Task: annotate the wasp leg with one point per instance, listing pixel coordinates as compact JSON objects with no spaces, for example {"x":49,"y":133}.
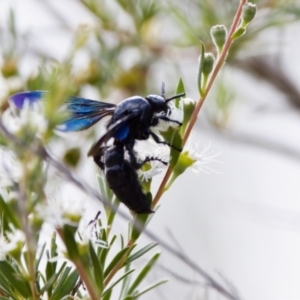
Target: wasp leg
{"x":158,"y":141}
{"x":99,"y":155}
{"x":138,"y":165}
{"x":165,"y":118}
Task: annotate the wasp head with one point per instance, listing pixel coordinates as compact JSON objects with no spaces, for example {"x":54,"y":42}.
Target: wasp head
{"x":158,"y":103}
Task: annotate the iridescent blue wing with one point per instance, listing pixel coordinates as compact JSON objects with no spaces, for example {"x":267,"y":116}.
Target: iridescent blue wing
{"x":20,"y":98}
{"x":83,"y":112}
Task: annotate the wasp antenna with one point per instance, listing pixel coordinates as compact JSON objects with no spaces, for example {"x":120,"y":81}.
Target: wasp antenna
{"x":163,"y":89}
{"x":175,"y":97}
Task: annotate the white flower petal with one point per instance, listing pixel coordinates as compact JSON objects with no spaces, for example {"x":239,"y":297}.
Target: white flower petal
{"x":90,"y":233}
{"x":160,"y":154}
{"x":10,"y":169}
{"x":10,"y":241}
{"x":59,"y":213}
{"x":30,"y":115}
{"x":202,"y":158}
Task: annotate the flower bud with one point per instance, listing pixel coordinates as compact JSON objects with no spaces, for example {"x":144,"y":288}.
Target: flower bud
{"x":248,"y":14}
{"x":208,"y":63}
{"x":188,"y":108}
{"x":9,"y":68}
{"x":184,"y":161}
{"x":72,"y":157}
{"x":218,"y":34}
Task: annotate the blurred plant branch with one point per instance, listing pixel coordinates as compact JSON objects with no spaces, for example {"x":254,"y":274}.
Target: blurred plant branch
{"x":268,"y":69}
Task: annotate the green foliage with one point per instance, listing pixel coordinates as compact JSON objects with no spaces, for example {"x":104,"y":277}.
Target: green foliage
{"x":13,"y":282}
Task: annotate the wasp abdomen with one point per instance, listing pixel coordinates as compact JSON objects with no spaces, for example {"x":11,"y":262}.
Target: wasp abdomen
{"x":123,"y":180}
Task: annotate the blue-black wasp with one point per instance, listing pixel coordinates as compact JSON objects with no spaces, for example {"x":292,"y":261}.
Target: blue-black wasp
{"x":130,"y":120}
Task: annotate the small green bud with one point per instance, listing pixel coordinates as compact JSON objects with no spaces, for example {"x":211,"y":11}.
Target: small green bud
{"x":9,"y":68}
{"x":205,"y":67}
{"x":248,"y":14}
{"x":188,"y":108}
{"x":73,"y":217}
{"x":83,"y":247}
{"x":17,"y":241}
{"x":36,"y":220}
{"x":218,"y":34}
{"x":208,"y":63}
{"x":184,"y":161}
{"x":72,"y":157}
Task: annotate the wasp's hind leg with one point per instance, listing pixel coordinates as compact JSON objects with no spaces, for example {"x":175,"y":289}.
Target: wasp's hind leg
{"x":151,"y":158}
{"x":136,"y":164}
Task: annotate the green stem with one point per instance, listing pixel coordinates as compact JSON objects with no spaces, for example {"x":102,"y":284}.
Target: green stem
{"x":84,"y":276}
{"x":119,"y":265}
{"x":86,"y":279}
{"x":28,"y":233}
{"x":219,"y":63}
{"x":162,"y":186}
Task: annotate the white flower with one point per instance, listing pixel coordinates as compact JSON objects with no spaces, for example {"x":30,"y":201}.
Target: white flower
{"x":31,"y":115}
{"x":10,"y":169}
{"x":160,"y":156}
{"x":202,"y":158}
{"x":10,"y":241}
{"x":59,"y":213}
{"x":91,"y":233}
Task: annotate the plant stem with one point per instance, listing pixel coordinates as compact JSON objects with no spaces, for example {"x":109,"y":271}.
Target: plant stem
{"x":84,"y":276}
{"x":28,"y":232}
{"x":86,"y":279}
{"x":119,"y":265}
{"x":218,"y":65}
{"x":162,"y":187}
